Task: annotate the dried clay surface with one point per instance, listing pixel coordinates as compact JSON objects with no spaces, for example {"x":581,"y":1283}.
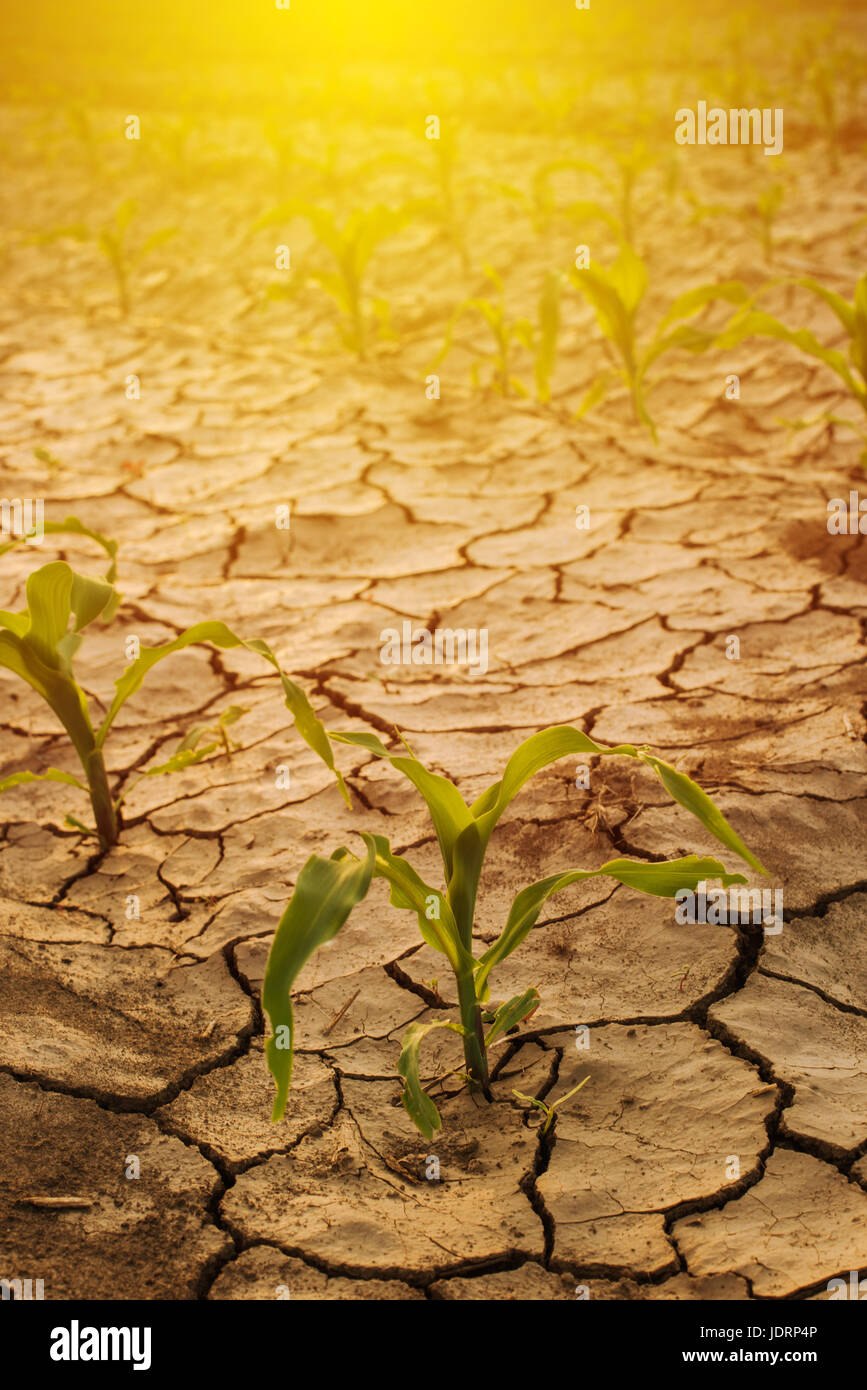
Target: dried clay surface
{"x":718,"y":1148}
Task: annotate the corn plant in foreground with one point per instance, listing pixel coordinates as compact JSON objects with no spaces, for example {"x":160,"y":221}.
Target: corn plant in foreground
{"x":327,"y":890}
{"x":39,"y":645}
{"x":615,"y":296}
{"x":750,"y":322}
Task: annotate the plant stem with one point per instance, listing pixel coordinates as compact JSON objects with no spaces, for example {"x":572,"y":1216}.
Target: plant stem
{"x":475,"y":1055}
{"x":100,"y":800}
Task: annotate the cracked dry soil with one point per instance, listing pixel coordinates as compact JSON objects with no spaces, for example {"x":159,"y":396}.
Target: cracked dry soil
{"x":141,"y":1037}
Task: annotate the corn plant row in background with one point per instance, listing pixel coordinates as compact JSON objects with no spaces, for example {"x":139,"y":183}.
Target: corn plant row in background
{"x":40,"y":643}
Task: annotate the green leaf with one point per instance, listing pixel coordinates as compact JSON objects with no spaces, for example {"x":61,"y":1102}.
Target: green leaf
{"x":409,"y":891}
{"x":125,"y":214}
{"x":158,"y":238}
{"x":309,"y":727}
{"x":841,"y":307}
{"x":690,"y":795}
{"x":531,"y":1100}
{"x":512,"y":1012}
{"x":688,"y":304}
{"x":56,"y":687}
{"x":753,"y":323}
{"x":586,"y":209}
{"x":549,"y":329}
{"x":597,"y":392}
{"x":530,"y":757}
{"x":661,"y":880}
{"x":449,"y":811}
{"x":52,"y":775}
{"x":628,"y":277}
{"x":72,"y":526}
{"x":416,"y":1103}
{"x":326,"y":892}
{"x":611,"y":313}
{"x":49,"y":603}
{"x":183,"y":757}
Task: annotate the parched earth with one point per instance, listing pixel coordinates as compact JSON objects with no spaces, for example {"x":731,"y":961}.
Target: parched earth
{"x":719,"y":1148}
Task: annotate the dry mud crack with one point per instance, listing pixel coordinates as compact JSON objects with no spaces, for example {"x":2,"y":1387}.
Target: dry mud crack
{"x":719,"y":1149}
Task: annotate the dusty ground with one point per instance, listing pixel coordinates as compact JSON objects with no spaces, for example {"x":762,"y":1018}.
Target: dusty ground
{"x":126,"y":1036}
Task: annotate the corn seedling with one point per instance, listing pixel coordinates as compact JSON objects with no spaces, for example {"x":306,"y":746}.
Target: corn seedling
{"x":615,"y":296}
{"x":327,"y":890}
{"x":114,"y":244}
{"x":39,"y":645}
{"x":539,"y":339}
{"x":621,"y":214}
{"x":537,"y":204}
{"x":445,"y":204}
{"x":761,"y":214}
{"x":550,"y":1111}
{"x":750,"y":322}
{"x":351,"y":247}
{"x":821,"y":81}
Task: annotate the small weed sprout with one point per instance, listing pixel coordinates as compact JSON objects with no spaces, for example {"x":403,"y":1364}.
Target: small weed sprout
{"x":549,"y":1111}
{"x":39,"y":645}
{"x":539,"y":339}
{"x":615,"y":296}
{"x":327,"y":890}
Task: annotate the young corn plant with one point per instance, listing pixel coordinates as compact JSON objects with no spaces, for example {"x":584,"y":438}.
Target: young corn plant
{"x":39,"y":645}
{"x":539,"y":339}
{"x":351,"y":246}
{"x":760,"y":214}
{"x":114,"y":243}
{"x":327,"y":890}
{"x":615,"y":296}
{"x":621,"y":214}
{"x":851,"y":369}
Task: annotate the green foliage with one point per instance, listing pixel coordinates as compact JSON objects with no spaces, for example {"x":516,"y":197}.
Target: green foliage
{"x":113,"y":241}
{"x":40,"y":643}
{"x":549,"y":1111}
{"x":760,"y":214}
{"x":615,"y":296}
{"x":114,"y":244}
{"x":327,"y":890}
{"x":620,"y":213}
{"x":351,"y":246}
{"x":539,"y":339}
{"x":851,"y":367}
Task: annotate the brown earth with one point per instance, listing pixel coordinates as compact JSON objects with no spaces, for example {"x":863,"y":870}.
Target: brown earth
{"x":141,"y":1035}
